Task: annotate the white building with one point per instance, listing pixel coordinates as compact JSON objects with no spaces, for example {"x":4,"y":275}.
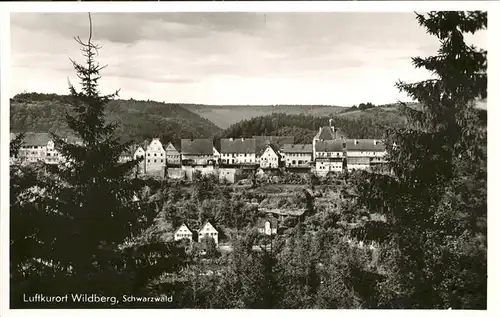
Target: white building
{"x":270,"y":158}
{"x":172,"y":154}
{"x":364,"y":153}
{"x":237,"y":151}
{"x":326,"y":133}
{"x":39,"y":147}
{"x":156,"y":158}
{"x":207,"y":230}
{"x":216,"y":155}
{"x":183,"y":232}
{"x":140,"y":153}
{"x":297,"y":155}
{"x":197,"y":152}
{"x":329,"y":156}
{"x":268,"y":226}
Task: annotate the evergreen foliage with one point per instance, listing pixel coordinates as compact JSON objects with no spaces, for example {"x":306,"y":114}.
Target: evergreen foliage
{"x":434,"y":202}
{"x":86,"y":217}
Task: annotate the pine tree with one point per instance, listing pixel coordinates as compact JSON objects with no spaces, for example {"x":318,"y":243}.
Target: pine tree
{"x":16,"y":144}
{"x":96,"y":218}
{"x":434,"y":202}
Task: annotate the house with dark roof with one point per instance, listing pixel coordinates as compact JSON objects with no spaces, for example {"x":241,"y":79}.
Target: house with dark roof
{"x":237,"y":151}
{"x":262,"y":141}
{"x":329,"y":156}
{"x":326,"y":133}
{"x":39,"y":147}
{"x":173,"y":155}
{"x":271,"y":158}
{"x":197,"y":152}
{"x":363,"y":153}
{"x":297,"y":155}
{"x":34,"y":148}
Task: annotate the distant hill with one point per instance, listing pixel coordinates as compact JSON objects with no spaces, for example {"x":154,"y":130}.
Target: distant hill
{"x":137,"y":119}
{"x":225,"y":116}
{"x":145,"y":119}
{"x":303,"y":127}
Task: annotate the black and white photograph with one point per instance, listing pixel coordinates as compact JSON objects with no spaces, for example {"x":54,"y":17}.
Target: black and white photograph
{"x":248,"y":160}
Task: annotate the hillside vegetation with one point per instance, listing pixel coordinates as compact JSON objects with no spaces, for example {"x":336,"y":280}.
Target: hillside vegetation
{"x":225,"y":116}
{"x":304,"y":127}
{"x":136,"y":119}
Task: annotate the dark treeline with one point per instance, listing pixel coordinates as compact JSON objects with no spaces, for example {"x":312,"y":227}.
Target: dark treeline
{"x":304,"y":127}
{"x":136,"y":120}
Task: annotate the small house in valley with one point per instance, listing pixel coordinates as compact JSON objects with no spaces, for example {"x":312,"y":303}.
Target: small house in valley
{"x":208,"y":230}
{"x":268,"y":226}
{"x":183,"y":232}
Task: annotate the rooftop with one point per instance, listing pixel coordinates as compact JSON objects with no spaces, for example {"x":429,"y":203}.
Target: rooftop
{"x":237,"y":145}
{"x":197,"y":146}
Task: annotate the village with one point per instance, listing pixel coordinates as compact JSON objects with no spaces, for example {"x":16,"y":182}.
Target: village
{"x":329,"y":151}
{"x":237,"y":160}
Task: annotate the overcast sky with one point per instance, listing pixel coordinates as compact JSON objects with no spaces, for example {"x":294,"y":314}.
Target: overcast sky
{"x":228,"y":58}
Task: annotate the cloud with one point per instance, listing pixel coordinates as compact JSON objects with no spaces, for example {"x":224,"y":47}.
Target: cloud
{"x":236,"y":58}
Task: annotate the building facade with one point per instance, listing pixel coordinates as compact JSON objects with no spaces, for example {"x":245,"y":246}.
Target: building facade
{"x":173,"y":156}
{"x":139,"y":153}
{"x":197,"y":152}
{"x":207,"y":230}
{"x":155,"y":158}
{"x":271,"y":158}
{"x":237,"y":151}
{"x":364,"y":153}
{"x":183,"y":232}
{"x":268,"y":226}
{"x":297,"y":155}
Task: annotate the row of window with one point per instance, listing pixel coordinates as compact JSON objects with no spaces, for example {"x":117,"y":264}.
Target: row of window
{"x":235,"y":154}
{"x":298,"y":154}
{"x":212,"y":234}
{"x":298,"y":162}
{"x":327,"y":154}
{"x":330,"y":167}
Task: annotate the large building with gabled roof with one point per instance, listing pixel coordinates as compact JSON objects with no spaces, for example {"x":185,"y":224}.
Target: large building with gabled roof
{"x":197,"y":151}
{"x":297,"y":155}
{"x":237,"y":151}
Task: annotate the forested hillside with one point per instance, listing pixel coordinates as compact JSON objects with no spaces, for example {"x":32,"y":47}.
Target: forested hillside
{"x":225,"y":116}
{"x":304,"y":127}
{"x":137,"y":119}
